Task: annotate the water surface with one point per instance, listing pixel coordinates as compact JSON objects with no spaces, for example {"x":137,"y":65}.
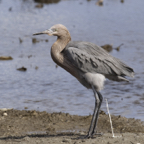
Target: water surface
{"x":52,"y":89}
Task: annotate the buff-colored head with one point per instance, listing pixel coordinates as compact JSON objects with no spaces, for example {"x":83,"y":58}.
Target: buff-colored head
{"x":56,"y":30}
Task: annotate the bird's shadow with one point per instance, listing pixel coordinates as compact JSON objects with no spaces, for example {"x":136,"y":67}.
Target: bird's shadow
{"x":38,"y":135}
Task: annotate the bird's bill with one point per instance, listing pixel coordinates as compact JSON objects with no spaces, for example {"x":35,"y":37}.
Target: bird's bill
{"x":49,"y":32}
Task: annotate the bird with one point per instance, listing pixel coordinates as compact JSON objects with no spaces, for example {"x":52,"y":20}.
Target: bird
{"x":88,"y":63}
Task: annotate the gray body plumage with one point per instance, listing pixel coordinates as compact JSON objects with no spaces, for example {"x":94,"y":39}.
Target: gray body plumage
{"x":89,"y":58}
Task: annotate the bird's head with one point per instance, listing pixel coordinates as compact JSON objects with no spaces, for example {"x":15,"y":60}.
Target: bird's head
{"x":56,"y":30}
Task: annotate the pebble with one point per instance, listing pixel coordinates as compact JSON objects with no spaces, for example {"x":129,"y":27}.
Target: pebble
{"x":82,"y":133}
{"x":65,"y":140}
{"x":4,"y":114}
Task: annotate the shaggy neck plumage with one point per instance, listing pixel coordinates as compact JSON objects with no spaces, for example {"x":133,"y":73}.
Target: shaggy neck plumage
{"x":57,"y":48}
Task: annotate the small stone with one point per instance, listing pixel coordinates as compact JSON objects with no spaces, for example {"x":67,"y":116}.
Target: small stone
{"x":34,"y":113}
{"x":26,"y":138}
{"x":83,"y":140}
{"x":66,"y":141}
{"x":82,"y":133}
{"x":4,"y":114}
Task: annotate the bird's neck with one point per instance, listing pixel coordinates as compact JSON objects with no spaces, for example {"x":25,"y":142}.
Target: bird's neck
{"x":58,"y":47}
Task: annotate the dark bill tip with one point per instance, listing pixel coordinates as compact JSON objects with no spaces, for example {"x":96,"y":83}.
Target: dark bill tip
{"x":38,"y":33}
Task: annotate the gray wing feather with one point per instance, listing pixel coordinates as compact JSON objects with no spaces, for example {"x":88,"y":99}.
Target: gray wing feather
{"x":88,"y":57}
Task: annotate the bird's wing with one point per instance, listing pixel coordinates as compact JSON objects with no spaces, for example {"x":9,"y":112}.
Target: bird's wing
{"x":88,"y":57}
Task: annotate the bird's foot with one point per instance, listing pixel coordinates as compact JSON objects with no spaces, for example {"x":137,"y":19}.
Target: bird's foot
{"x":98,"y":134}
{"x":92,"y":135}
{"x":84,"y":137}
{"x":88,"y":136}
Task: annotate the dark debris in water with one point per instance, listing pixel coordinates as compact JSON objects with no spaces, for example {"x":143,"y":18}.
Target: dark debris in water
{"x":10,"y":9}
{"x":36,"y":67}
{"x":29,"y":56}
{"x":20,"y":40}
{"x":6,"y":58}
{"x":122,"y":1}
{"x":35,"y":40}
{"x":56,"y":66}
{"x":99,"y":3}
{"x":47,"y":1}
{"x":39,"y":5}
{"x":109,"y":47}
{"x":22,"y":69}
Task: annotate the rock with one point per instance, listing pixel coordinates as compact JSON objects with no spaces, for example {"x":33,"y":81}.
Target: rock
{"x":34,"y":113}
{"x":102,"y":112}
{"x":4,"y":114}
{"x":6,"y":58}
{"x":83,"y":140}
{"x":22,"y":69}
{"x":66,"y":140}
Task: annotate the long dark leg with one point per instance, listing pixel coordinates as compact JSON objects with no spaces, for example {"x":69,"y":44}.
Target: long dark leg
{"x":98,"y":101}
{"x":95,"y":124}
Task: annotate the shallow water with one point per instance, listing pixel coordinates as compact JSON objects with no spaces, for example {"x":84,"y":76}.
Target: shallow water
{"x":52,"y":89}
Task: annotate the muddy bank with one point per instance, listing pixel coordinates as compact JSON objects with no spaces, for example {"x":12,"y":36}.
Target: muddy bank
{"x":34,"y":126}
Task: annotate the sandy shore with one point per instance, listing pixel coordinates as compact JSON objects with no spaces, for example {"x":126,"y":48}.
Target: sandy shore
{"x":41,"y":127}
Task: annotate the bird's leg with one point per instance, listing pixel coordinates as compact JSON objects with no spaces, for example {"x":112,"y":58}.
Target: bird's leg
{"x":95,"y":124}
{"x":98,"y":102}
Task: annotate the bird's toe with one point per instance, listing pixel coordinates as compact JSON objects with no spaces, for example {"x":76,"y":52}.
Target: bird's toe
{"x":97,"y":134}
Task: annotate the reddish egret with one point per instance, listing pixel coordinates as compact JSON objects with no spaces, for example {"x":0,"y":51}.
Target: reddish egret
{"x":87,"y":62}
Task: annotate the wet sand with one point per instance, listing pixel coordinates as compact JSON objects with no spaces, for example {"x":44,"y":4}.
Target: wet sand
{"x":41,"y":127}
